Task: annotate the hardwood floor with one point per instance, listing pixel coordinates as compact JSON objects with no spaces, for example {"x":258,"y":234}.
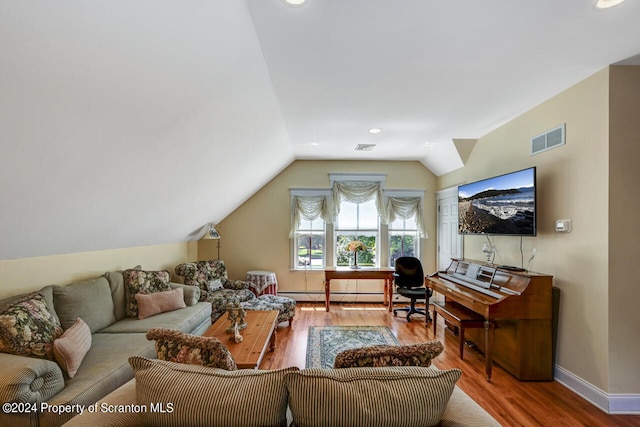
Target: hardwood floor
{"x":511,"y":402}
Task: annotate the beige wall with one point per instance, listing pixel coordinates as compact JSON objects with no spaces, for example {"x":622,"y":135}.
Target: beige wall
{"x":575,"y":182}
{"x":624,"y":229}
{"x":30,"y":274}
{"x":256,"y":235}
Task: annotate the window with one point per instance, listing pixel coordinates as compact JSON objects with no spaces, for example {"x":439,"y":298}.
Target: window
{"x":309,"y":214}
{"x":390,"y":223}
{"x":357,"y":221}
{"x":403,"y":239}
{"x":310,"y":244}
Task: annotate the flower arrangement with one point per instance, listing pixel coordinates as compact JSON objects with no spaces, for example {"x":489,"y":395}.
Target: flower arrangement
{"x":356,"y":245}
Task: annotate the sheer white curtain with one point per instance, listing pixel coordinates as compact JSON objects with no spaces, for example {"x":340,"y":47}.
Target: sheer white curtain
{"x":309,"y":208}
{"x":405,"y":208}
{"x":357,"y":192}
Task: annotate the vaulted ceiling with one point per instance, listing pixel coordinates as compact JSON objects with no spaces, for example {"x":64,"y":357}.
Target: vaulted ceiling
{"x":137,"y":123}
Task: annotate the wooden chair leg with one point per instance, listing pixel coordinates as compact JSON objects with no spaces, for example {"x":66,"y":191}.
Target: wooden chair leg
{"x":461,"y":344}
{"x":435,"y":317}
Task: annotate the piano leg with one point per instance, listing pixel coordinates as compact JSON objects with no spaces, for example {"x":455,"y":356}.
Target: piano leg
{"x":488,"y":346}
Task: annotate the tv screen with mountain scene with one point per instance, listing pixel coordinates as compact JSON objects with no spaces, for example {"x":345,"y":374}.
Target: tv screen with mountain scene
{"x":502,"y":205}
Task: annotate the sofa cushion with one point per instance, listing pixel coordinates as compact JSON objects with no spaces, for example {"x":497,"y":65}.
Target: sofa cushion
{"x":389,"y":355}
{"x":242,"y":398}
{"x":191,"y":293}
{"x":145,"y":282}
{"x":26,"y":379}
{"x":104,"y":369}
{"x":47,"y":293}
{"x":71,"y":347}
{"x":27,"y":328}
{"x":90,"y":300}
{"x":176,"y":346}
{"x":353,"y":396}
{"x":186,"y":319}
{"x":159,"y":302}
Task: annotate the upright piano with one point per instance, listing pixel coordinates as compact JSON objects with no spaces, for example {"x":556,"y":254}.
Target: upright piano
{"x":517,"y":307}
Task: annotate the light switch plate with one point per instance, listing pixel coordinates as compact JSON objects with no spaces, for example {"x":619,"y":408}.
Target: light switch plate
{"x":563,"y":225}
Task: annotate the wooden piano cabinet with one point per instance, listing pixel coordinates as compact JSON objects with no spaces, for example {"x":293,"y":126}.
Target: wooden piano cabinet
{"x":518,"y":308}
{"x":521,"y":347}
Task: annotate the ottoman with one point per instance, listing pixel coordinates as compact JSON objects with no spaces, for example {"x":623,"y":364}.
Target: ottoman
{"x":286,"y":306}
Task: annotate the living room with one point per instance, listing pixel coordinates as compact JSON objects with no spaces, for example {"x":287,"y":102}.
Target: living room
{"x":73,"y":127}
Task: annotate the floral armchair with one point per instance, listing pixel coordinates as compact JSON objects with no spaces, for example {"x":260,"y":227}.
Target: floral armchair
{"x":419,"y":354}
{"x":215,"y":286}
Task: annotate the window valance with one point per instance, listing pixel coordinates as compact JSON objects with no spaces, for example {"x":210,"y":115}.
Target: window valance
{"x":356,"y":192}
{"x":309,"y":208}
{"x":405,"y":208}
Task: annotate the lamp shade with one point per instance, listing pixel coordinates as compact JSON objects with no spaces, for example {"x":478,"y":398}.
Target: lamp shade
{"x":211,"y":233}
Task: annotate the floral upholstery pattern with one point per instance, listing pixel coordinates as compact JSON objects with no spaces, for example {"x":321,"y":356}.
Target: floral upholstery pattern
{"x":176,"y":346}
{"x":203,"y":273}
{"x":143,"y":282}
{"x":27,"y":328}
{"x":286,"y":306}
{"x":389,"y":355}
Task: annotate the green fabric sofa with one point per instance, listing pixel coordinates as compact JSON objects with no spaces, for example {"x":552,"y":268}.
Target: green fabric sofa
{"x":32,"y":383}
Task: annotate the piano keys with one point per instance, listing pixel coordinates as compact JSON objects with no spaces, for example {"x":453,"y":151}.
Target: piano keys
{"x":518,"y":310}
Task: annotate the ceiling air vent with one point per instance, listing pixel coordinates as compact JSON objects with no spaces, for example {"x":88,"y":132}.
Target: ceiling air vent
{"x":365,"y":147}
{"x":548,"y":140}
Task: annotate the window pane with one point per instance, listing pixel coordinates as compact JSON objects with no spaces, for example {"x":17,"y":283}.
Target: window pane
{"x":368,"y":216}
{"x":365,"y":258}
{"x":310,"y":250}
{"x":404,"y":224}
{"x":316,"y":225}
{"x":348,"y":217}
{"x":402,"y":244}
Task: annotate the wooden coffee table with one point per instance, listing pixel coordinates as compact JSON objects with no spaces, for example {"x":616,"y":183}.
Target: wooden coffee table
{"x":260,"y":331}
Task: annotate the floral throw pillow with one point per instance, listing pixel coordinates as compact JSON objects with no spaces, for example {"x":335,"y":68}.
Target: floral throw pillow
{"x":215,"y":285}
{"x":143,"y":282}
{"x":27,"y":328}
{"x":178,"y":347}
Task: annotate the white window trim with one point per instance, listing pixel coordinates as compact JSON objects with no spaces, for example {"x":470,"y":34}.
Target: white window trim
{"x":328,"y":228}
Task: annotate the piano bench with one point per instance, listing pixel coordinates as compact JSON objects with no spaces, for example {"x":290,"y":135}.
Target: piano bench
{"x":459,"y":316}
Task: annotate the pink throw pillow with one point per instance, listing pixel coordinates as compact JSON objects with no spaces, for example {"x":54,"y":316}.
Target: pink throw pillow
{"x":159,"y":302}
{"x":71,"y":347}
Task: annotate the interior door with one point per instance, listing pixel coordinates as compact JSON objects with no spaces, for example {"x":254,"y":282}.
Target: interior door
{"x":450,"y":244}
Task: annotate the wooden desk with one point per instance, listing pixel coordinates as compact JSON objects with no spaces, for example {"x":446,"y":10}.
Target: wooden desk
{"x":260,"y":331}
{"x":346,"y":273}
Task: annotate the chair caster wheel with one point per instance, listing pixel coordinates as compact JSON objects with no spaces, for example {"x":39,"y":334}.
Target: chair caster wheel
{"x":408,"y":318}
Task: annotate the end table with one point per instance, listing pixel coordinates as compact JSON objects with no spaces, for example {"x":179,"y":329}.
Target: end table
{"x":262,"y":282}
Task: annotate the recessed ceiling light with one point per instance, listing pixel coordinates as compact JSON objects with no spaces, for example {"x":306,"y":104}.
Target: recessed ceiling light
{"x":294,"y":2}
{"x":605,"y":4}
{"x":375,"y":130}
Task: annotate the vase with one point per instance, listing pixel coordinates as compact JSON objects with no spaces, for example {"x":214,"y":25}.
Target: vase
{"x":355,"y":260}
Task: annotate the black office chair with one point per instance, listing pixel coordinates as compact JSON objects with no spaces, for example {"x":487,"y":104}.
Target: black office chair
{"x":409,"y":279}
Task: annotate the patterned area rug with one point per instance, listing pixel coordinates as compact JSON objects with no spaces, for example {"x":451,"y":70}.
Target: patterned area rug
{"x":325,"y":342}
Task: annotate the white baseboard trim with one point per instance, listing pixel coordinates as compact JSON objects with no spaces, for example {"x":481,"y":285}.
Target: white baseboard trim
{"x":611,"y":403}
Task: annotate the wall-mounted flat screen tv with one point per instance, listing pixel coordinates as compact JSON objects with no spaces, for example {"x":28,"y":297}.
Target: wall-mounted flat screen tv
{"x":502,"y":205}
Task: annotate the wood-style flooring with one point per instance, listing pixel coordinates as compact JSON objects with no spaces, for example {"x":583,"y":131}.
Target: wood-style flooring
{"x":511,"y":402}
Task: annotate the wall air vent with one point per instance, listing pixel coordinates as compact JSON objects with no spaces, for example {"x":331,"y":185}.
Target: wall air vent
{"x":365,"y":147}
{"x":548,"y":140}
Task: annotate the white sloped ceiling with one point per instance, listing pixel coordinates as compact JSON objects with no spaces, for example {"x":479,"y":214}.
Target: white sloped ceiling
{"x":129,"y":123}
